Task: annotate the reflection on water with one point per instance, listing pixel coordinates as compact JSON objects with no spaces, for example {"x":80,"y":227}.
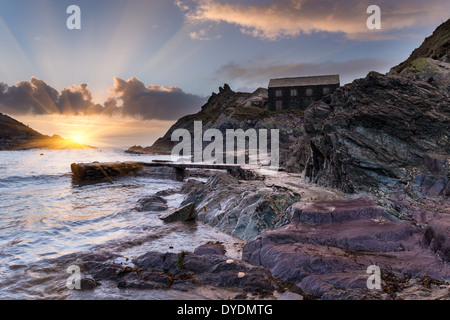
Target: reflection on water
{"x":44,"y":217}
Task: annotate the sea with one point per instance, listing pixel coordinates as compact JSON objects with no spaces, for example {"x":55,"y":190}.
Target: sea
{"x":46,"y":217}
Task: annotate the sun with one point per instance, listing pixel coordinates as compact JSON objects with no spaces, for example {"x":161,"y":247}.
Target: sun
{"x":78,"y":139}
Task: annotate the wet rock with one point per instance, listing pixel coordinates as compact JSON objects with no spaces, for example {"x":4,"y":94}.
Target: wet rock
{"x":165,"y":193}
{"x":186,"y":271}
{"x":166,"y":262}
{"x":240,"y":208}
{"x":210,"y":248}
{"x":153,"y":203}
{"x":88,"y":284}
{"x":184,"y":213}
{"x":102,"y":171}
{"x":196,"y":191}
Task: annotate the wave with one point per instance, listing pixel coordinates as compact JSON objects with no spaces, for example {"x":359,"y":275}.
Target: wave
{"x":6,"y":181}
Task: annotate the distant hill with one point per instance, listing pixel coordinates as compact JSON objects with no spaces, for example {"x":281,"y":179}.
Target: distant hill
{"x":15,"y":135}
{"x":11,"y":128}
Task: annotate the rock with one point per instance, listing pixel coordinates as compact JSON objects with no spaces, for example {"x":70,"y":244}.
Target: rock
{"x":165,"y":193}
{"x":195,"y":190}
{"x":241,"y":174}
{"x":153,"y":203}
{"x":240,"y":208}
{"x":184,"y":213}
{"x":380,"y":137}
{"x":294,"y":157}
{"x":88,"y":284}
{"x":437,"y":237}
{"x":243,"y":208}
{"x":210,"y":248}
{"x":185,"y":271}
{"x":101,"y":171}
{"x":380,"y":132}
{"x":333,"y":212}
{"x":328,"y":246}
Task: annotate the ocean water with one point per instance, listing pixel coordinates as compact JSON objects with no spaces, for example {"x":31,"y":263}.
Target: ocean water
{"x":45,"y":217}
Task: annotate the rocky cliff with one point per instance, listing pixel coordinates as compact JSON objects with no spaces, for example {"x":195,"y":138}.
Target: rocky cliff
{"x":377,"y":131}
{"x":381,"y":132}
{"x":238,"y":110}
{"x":436,"y":47}
{"x":15,"y":135}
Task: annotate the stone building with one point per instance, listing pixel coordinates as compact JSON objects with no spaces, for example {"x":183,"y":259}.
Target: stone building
{"x":299,"y":93}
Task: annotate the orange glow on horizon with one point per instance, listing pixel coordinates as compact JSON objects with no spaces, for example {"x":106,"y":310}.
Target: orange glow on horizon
{"x":97,"y":130}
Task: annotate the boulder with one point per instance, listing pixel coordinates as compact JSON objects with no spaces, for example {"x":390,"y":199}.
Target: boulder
{"x":153,"y":203}
{"x":210,"y":248}
{"x":184,"y":213}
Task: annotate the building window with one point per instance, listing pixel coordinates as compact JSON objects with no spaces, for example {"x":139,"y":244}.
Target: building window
{"x":279,"y":93}
{"x":279,"y":105}
{"x":294,"y":92}
{"x":309,"y":92}
{"x":326,"y":90}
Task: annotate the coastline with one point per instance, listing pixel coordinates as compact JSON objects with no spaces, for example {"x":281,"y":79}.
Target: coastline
{"x":317,"y":243}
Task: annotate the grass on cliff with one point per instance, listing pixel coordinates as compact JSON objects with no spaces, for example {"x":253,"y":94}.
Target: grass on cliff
{"x":435,"y":47}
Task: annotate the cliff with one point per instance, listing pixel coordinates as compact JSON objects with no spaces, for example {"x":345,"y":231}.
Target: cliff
{"x":14,"y":135}
{"x":238,"y":110}
{"x":10,"y":127}
{"x":377,"y":131}
{"x":383,"y":131}
{"x":436,"y":47}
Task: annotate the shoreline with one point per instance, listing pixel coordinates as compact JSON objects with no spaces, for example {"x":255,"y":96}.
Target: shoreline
{"x":372,"y":235}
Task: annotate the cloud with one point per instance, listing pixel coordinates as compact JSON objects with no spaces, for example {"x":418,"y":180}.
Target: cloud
{"x":131,"y":98}
{"x":260,"y":71}
{"x":37,"y":97}
{"x":154,"y":102}
{"x":276,"y":19}
{"x":202,"y":35}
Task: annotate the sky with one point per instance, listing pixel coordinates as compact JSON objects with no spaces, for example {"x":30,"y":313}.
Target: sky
{"x":137,"y":66}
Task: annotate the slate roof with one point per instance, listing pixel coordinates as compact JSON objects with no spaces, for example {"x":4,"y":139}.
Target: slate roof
{"x":304,"y":81}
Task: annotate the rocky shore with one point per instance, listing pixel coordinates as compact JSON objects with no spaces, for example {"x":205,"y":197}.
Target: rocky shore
{"x":366,"y":187}
{"x":303,"y":241}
